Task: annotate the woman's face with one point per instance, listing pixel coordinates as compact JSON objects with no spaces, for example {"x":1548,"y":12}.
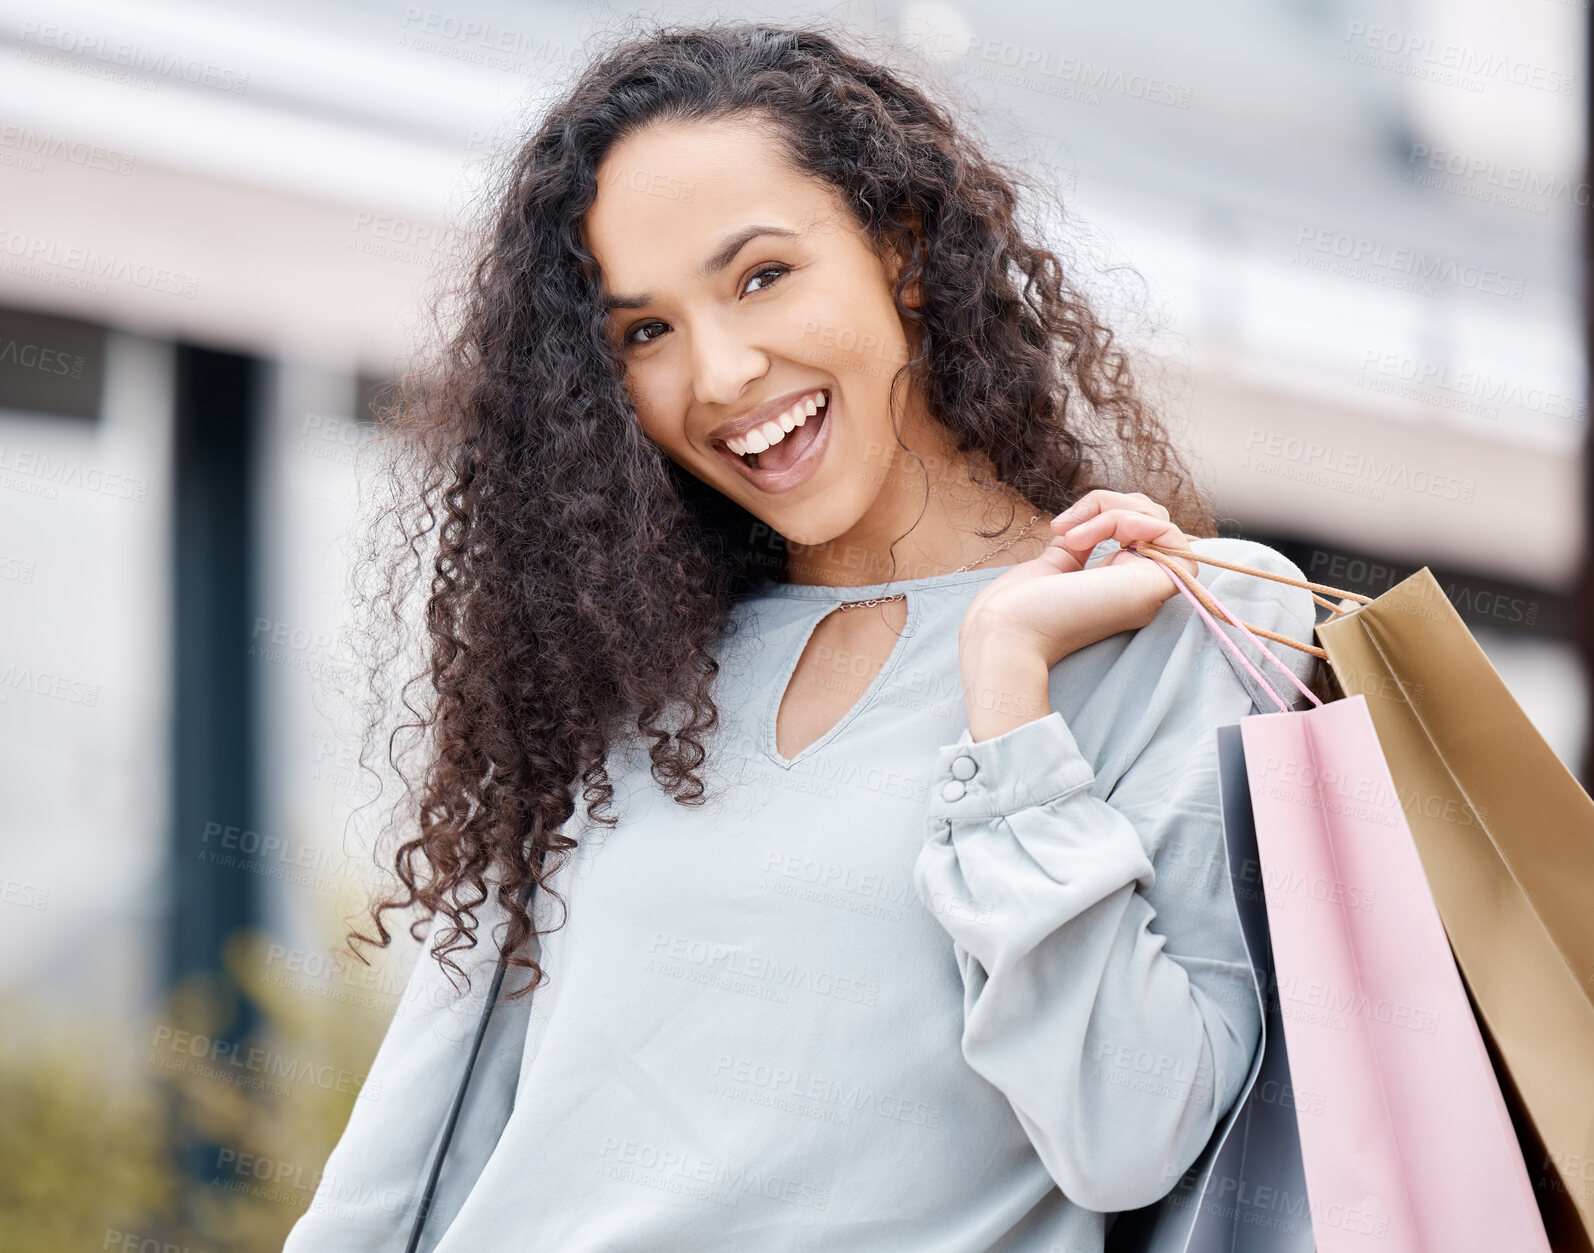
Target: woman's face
{"x":742,"y":293}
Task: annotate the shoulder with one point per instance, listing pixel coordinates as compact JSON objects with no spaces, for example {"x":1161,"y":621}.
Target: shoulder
{"x":1259,"y":602}
{"x":1178,"y":649}
{"x":1291,"y":608}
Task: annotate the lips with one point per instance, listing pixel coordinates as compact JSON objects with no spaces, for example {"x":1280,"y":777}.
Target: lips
{"x":790,"y":462}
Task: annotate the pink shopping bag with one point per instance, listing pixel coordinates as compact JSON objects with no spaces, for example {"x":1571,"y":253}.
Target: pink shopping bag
{"x":1413,"y":1148}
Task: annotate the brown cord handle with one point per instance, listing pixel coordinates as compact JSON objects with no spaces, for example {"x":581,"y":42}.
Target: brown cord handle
{"x":1189,"y":580}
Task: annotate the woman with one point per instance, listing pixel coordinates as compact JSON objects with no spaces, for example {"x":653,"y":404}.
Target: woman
{"x":781,"y":485}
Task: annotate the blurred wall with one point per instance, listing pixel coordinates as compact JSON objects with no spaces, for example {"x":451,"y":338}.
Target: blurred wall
{"x":1352,"y":239}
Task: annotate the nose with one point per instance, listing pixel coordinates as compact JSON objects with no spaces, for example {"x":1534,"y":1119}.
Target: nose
{"x":723,"y":364}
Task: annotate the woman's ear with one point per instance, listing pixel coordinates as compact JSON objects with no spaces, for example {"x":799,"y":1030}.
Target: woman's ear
{"x":901,"y":254}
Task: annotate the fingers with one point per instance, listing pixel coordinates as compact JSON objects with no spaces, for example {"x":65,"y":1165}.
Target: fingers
{"x":1094,"y":502}
{"x":1102,"y":514}
{"x":1121,"y":525}
{"x":1125,"y":526}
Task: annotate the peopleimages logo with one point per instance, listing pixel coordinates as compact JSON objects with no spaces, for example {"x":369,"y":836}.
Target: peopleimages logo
{"x":1088,"y":76}
{"x":1454,"y":64}
{"x":37,"y":41}
{"x":1254,"y":1204}
{"x":45,"y":360}
{"x":733,"y":1182}
{"x":1310,"y":460}
{"x":1426,"y":377}
{"x":744,"y":1079}
{"x":1523,"y":186}
{"x":35,"y":256}
{"x":251,"y":1066}
{"x":1297,"y":883}
{"x":737,"y":968}
{"x":34,"y":147}
{"x":51,"y":474}
{"x":1420,"y":267}
{"x":1355,"y":1003}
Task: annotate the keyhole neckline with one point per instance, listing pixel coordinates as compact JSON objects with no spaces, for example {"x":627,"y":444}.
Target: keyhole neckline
{"x":868,"y":591}
{"x":910,"y":627}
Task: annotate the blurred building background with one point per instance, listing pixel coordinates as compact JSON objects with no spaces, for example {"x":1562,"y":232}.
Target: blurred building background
{"x":1357,"y":230}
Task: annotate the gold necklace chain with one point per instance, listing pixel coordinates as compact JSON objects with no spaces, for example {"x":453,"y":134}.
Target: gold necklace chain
{"x":880,"y":600}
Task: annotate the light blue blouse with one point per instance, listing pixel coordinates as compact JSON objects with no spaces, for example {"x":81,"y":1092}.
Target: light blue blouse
{"x":902,"y":991}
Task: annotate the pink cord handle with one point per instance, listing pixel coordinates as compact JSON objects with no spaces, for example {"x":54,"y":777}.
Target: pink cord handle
{"x":1232,"y":646}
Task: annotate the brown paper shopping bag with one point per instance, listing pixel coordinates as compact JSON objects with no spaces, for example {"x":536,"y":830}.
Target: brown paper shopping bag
{"x":1506,"y":836}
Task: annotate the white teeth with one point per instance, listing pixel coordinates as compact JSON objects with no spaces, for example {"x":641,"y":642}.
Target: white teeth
{"x":759,"y":439}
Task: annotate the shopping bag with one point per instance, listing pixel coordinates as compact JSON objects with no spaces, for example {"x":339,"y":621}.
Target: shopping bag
{"x":1261,"y":1188}
{"x":1414,"y":1148}
{"x":1246,"y":1193}
{"x":1506,"y":836}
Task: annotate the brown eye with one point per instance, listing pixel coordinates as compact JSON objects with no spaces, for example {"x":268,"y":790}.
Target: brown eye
{"x":776,"y":270}
{"x":628,"y":335}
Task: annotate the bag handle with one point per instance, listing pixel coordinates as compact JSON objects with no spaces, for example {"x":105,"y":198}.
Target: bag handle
{"x":436,"y":1168}
{"x":1145,"y":548}
{"x":1185,"y":582}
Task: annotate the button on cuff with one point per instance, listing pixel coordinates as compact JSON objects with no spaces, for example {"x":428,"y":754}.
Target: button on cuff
{"x":1032,"y":764}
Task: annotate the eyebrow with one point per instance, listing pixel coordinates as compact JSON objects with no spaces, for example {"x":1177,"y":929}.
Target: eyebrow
{"x":708,"y":268}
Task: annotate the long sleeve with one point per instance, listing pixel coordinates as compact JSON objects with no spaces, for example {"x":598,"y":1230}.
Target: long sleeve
{"x":366,"y":1197}
{"x":1107,"y":992}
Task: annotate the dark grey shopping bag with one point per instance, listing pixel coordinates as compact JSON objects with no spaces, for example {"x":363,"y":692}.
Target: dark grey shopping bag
{"x":1246,"y":1193}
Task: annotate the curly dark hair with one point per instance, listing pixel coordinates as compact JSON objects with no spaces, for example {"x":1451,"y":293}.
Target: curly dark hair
{"x":558,"y":535}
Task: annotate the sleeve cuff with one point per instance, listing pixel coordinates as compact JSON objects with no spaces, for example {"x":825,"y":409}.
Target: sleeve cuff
{"x":1027,"y":766}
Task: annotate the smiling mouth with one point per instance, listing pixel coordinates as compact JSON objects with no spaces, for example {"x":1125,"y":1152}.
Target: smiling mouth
{"x":782,"y":454}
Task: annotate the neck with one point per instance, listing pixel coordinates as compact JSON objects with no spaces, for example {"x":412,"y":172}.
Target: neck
{"x":933,"y":534}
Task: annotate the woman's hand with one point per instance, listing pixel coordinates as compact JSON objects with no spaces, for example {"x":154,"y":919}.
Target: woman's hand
{"x":1032,"y":616}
